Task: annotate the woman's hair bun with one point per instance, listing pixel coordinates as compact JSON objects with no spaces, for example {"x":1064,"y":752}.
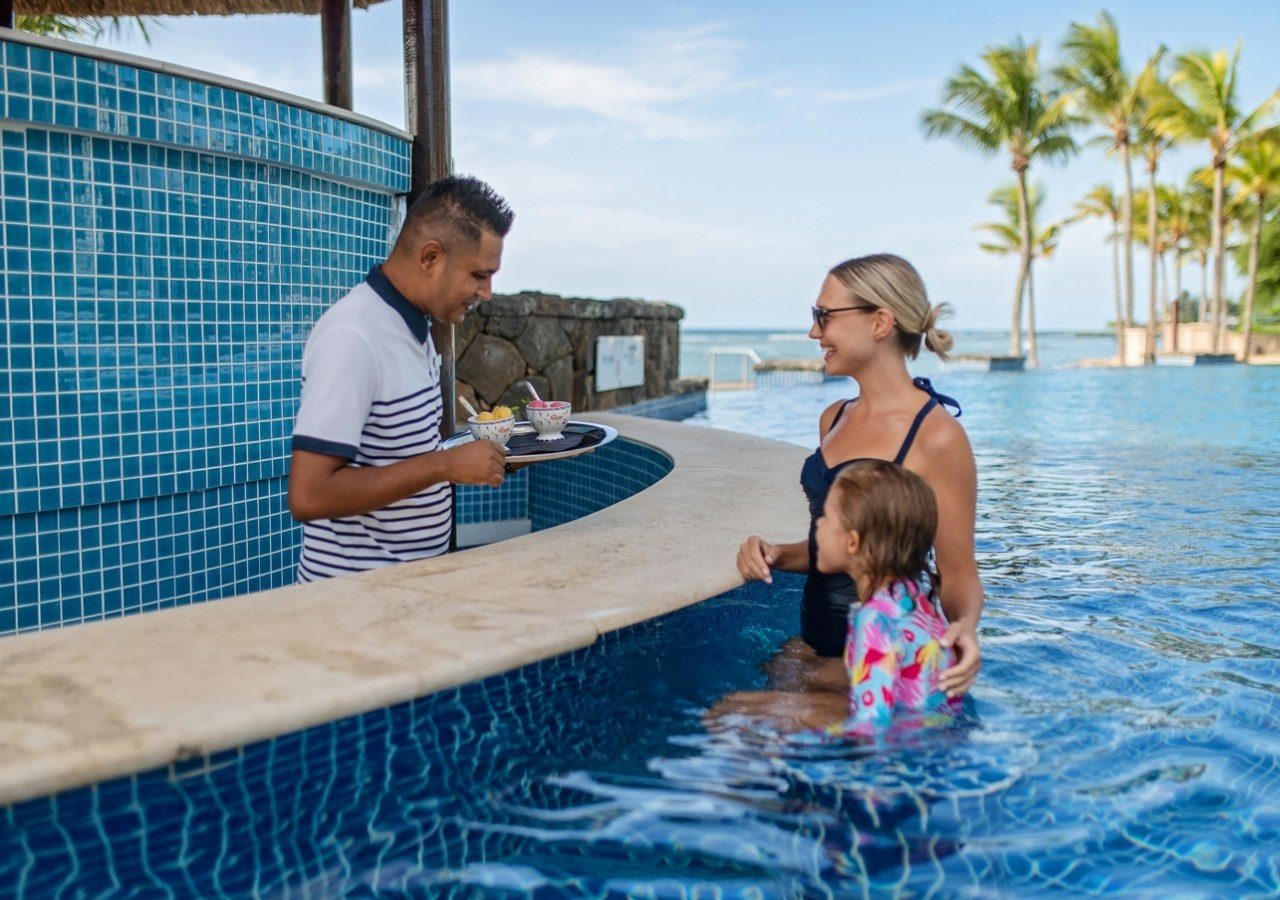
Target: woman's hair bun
{"x":936,"y":339}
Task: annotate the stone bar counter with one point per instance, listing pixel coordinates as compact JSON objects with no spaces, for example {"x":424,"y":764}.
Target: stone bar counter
{"x":104,"y":699}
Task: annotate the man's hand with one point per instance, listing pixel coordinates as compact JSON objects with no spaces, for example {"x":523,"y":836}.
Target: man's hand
{"x":475,"y":462}
{"x":957,"y":680}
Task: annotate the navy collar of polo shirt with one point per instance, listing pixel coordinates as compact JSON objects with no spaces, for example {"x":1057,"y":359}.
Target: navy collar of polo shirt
{"x":419,"y":322}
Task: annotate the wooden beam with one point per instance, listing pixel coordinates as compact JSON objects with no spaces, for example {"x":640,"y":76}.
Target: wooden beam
{"x":335,"y":34}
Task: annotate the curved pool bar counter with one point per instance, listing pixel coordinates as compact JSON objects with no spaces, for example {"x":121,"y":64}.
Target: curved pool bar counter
{"x":111,"y":698}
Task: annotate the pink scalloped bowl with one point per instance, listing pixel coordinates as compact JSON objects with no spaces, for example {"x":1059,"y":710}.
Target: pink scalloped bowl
{"x":549,"y":417}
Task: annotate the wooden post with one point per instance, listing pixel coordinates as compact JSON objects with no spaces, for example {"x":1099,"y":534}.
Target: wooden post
{"x":426,"y":98}
{"x":426,"y":95}
{"x":335,"y":34}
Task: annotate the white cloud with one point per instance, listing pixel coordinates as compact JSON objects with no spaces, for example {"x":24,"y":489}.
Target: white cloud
{"x":806,"y":98}
{"x":527,"y":182}
{"x":646,"y":90}
{"x":856,"y":95}
{"x":378,"y":77}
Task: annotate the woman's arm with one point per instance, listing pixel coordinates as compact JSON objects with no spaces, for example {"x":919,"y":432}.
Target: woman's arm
{"x":949,"y":468}
{"x":757,"y":558}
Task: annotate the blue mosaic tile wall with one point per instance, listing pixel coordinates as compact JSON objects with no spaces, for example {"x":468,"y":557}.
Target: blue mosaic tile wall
{"x":486,"y":504}
{"x":553,"y":493}
{"x":569,"y":489}
{"x":72,"y":91}
{"x":673,"y":409}
{"x":166,"y":245}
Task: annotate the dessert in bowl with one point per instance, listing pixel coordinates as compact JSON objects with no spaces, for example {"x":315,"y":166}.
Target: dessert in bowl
{"x":549,"y":417}
{"x":493,"y":426}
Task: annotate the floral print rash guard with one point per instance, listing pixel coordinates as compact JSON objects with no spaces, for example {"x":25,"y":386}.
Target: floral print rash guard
{"x":894,"y":660}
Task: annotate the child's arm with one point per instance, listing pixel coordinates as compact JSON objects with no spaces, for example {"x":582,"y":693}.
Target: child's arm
{"x":872,"y":661}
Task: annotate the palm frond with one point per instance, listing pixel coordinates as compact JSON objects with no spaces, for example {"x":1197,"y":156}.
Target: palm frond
{"x":966,"y":132}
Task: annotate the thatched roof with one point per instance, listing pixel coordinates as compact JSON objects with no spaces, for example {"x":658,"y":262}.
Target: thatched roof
{"x":85,"y":8}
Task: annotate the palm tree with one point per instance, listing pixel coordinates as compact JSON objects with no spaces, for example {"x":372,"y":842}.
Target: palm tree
{"x":1201,"y":104}
{"x":89,"y":28}
{"x":1005,"y":237}
{"x":1153,"y":144}
{"x":1096,"y":78}
{"x":1010,"y":108}
{"x":1169,"y":237}
{"x":1175,"y":212}
{"x":1256,"y":169}
{"x":1199,"y":199}
{"x":1102,"y":203}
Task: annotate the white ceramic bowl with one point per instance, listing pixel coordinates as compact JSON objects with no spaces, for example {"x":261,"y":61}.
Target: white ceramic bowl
{"x":497,"y":430}
{"x":549,"y":417}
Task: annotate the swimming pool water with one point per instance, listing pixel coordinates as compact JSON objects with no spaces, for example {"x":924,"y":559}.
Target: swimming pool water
{"x":1122,"y":737}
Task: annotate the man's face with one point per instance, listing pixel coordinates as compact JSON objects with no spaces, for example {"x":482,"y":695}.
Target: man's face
{"x":459,"y":280}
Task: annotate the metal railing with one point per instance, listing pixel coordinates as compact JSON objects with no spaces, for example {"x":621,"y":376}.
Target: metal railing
{"x":748,"y":359}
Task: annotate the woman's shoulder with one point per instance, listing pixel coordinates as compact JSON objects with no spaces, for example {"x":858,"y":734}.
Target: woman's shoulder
{"x":942,"y":452}
{"x":942,"y":432}
{"x":829,"y":416}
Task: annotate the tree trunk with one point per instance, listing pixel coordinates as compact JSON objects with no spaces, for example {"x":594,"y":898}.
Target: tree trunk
{"x":1024,"y":227}
{"x":1219,"y":257}
{"x":1177,"y":299}
{"x":1033,"y":349}
{"x":1255,"y":242}
{"x":1203,"y":259}
{"x":1015,"y":323}
{"x":1128,"y":234}
{"x":1164,"y":290}
{"x":1115,"y":277}
{"x":1153,"y":238}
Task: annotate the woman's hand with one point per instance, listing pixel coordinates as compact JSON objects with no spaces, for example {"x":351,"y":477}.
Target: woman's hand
{"x":755,"y":559}
{"x":963,"y":636}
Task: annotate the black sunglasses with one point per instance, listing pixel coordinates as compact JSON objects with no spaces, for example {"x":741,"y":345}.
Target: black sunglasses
{"x":821,"y":316}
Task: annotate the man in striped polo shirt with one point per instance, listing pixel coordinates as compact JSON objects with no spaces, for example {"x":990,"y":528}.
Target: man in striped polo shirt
{"x":367,"y":477}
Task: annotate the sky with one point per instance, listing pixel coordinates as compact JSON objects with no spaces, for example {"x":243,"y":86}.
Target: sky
{"x":724,"y":155}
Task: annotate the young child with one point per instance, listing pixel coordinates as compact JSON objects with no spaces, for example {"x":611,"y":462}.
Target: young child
{"x":878,"y":525}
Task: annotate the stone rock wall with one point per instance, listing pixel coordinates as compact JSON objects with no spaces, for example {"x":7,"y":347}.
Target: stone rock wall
{"x":550,"y":341}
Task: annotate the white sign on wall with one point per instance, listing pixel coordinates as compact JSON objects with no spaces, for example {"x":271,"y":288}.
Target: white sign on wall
{"x":619,"y":362}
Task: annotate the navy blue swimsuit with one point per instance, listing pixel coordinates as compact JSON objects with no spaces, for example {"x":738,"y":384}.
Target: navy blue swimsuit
{"x":824,"y":613}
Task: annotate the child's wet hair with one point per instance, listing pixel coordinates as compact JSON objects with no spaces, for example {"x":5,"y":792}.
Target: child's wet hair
{"x":895,"y":514}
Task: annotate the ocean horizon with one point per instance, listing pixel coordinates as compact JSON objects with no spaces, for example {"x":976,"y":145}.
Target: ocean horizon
{"x":1079,"y":332}
{"x":1058,"y":349}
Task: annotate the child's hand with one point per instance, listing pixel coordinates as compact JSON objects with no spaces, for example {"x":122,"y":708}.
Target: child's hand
{"x":755,"y":557}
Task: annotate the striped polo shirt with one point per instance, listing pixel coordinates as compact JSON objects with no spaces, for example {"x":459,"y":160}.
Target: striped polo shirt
{"x":371,"y":394}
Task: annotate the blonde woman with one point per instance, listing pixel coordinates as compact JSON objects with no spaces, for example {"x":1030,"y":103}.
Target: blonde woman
{"x":872,"y":315}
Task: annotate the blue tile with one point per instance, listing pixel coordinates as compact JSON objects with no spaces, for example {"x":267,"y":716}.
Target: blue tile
{"x":92,"y":226}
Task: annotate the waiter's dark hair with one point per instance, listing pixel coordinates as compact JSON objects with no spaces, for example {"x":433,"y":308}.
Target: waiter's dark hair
{"x":456,"y":207}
